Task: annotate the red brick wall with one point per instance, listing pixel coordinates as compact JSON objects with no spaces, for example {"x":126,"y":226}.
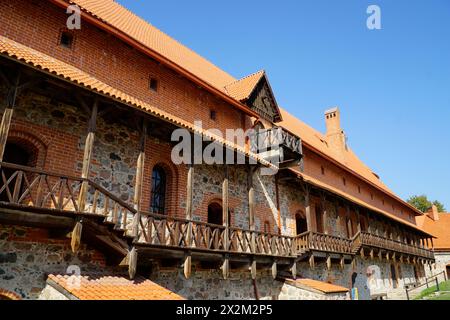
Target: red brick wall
{"x":38,"y":24}
{"x":334,"y":177}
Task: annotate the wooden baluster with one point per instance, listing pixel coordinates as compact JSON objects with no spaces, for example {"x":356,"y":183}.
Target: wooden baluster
{"x":40,"y":190}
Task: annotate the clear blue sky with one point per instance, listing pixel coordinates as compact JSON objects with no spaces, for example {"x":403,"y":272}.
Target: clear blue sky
{"x":392,"y":85}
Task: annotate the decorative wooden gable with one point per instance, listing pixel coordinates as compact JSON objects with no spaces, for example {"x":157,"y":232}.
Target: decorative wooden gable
{"x":262,"y":101}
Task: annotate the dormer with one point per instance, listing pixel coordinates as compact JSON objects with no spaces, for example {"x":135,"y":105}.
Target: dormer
{"x":255,"y":91}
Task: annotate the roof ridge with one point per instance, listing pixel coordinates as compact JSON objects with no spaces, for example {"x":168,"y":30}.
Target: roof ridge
{"x":246,"y":77}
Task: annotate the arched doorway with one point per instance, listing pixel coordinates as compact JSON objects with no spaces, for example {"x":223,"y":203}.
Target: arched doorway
{"x":215,"y":214}
{"x":17,"y":154}
{"x":300,"y":223}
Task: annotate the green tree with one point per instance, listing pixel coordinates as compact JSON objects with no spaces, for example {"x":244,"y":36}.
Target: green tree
{"x":423,"y":204}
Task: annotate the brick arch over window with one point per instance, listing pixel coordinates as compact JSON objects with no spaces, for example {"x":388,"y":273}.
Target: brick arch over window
{"x":32,"y":143}
{"x":8,"y":295}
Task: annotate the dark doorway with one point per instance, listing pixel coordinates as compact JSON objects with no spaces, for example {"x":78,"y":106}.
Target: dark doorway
{"x":448,"y":272}
{"x":319,"y":219}
{"x":301,"y":224}
{"x":394,"y":276}
{"x":215,"y":214}
{"x":14,"y":154}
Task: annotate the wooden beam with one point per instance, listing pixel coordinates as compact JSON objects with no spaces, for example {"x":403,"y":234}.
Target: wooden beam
{"x":253,"y":269}
{"x":329,"y":262}
{"x":187,"y":265}
{"x":274,"y":270}
{"x":10,"y":103}
{"x":132,"y":263}
{"x":307,"y":192}
{"x":323,"y":204}
{"x":372,"y":254}
{"x":251,"y":209}
{"x":312,"y":263}
{"x":76,"y":236}
{"x":294,"y":270}
{"x":139,"y":179}
{"x":87,"y":158}
{"x":226,"y":224}
{"x":342,"y":262}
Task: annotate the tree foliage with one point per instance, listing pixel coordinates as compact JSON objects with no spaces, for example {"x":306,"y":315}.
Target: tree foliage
{"x":423,"y":204}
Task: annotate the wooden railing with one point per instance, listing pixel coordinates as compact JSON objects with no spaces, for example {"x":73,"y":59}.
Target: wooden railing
{"x":323,"y":242}
{"x":29,"y":188}
{"x":372,"y":240}
{"x":159,"y":230}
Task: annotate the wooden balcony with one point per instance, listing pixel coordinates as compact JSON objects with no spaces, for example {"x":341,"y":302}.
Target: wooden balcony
{"x":377,"y":242}
{"x":24,"y":189}
{"x":30,"y":190}
{"x":313,"y":241}
{"x":176,"y":233}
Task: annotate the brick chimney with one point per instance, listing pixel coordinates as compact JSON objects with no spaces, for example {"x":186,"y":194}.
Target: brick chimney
{"x":433,"y":213}
{"x":335,"y":135}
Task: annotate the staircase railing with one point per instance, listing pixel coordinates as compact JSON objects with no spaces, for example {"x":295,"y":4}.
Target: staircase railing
{"x":29,"y":188}
{"x":428,"y":282}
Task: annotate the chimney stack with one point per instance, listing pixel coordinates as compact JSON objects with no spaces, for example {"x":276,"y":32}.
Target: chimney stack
{"x":335,"y":135}
{"x":434,"y":213}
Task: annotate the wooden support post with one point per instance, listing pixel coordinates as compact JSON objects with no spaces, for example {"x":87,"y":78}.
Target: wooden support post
{"x":8,"y":113}
{"x":294,"y":270}
{"x":312,"y":263}
{"x":323,"y":204}
{"x":132,"y":263}
{"x":274,"y":270}
{"x":372,"y":255}
{"x":88,"y":149}
{"x":187,"y":265}
{"x":342,"y":262}
{"x":369,"y":227}
{"x":251,"y":209}
{"x":226,"y":224}
{"x":253,"y":269}
{"x":380,"y":255}
{"x":358,"y":217}
{"x":139,"y":179}
{"x":329,"y":262}
{"x":307,"y":191}
{"x":76,"y":236}
{"x":363,"y":256}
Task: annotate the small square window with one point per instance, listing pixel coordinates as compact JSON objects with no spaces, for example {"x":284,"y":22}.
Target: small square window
{"x":213,"y":115}
{"x":371,"y":196}
{"x":66,"y":39}
{"x":153,"y":84}
{"x":359,"y":189}
{"x":344,"y":181}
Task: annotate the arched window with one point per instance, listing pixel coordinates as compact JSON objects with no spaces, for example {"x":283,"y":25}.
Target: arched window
{"x":159,"y":187}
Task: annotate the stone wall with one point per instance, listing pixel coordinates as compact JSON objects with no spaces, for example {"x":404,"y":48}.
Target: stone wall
{"x":28,"y":255}
{"x":442,"y":261}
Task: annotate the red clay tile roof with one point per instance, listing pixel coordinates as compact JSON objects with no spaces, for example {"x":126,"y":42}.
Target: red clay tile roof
{"x":100,"y":287}
{"x":61,"y":69}
{"x":440,"y":229}
{"x":243,"y":88}
{"x":324,"y":287}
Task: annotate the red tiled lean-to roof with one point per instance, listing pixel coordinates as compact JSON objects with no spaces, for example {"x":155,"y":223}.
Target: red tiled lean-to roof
{"x":101,"y":287}
{"x":440,"y":229}
{"x":321,"y":286}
